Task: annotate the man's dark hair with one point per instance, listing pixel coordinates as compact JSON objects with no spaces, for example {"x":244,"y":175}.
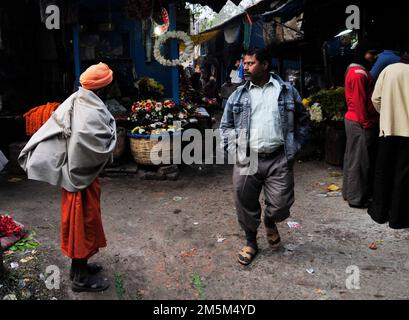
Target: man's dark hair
{"x":262,"y":54}
{"x":359,"y":54}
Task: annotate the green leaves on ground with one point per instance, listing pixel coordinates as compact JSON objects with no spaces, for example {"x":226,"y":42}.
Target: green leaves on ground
{"x":25,"y":244}
{"x":198,"y":284}
{"x":119,"y":285}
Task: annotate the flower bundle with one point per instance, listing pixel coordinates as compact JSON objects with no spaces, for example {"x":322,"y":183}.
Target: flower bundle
{"x":153,"y":117}
{"x":326,"y":105}
{"x":9,"y":227}
{"x":315,"y":112}
{"x":37,"y":116}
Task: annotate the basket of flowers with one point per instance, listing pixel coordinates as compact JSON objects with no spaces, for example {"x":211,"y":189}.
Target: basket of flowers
{"x":155,"y":125}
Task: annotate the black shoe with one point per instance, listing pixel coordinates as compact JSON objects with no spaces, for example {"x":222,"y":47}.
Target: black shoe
{"x":92,"y":268}
{"x":89,"y":283}
{"x":363,"y":206}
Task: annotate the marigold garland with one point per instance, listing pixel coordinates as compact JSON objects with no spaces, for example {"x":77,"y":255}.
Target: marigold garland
{"x":37,"y":116}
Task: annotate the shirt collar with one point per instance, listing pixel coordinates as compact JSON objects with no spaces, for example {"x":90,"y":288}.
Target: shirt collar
{"x":271,"y":81}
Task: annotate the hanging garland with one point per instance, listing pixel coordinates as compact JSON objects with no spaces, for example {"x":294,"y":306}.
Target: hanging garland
{"x":179,"y":35}
{"x":165,"y":17}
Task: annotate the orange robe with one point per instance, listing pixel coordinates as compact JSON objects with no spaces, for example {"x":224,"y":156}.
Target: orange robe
{"x":82,"y":233}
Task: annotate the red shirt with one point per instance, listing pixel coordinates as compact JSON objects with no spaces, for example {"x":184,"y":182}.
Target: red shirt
{"x":358,"y":92}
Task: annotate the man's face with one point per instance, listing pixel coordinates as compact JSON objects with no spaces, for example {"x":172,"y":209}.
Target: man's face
{"x":254,"y":69}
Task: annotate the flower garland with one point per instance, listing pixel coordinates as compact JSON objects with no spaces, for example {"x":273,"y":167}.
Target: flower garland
{"x":37,"y":116}
{"x":165,"y":17}
{"x":180,"y":35}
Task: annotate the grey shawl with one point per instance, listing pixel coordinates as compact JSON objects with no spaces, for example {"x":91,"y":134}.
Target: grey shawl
{"x":74,"y":145}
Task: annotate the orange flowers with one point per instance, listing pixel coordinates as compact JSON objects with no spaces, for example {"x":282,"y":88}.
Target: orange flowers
{"x":37,"y":116}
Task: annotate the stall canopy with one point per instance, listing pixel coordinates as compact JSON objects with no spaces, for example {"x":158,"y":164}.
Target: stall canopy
{"x":216,"y":5}
{"x":266,"y":10}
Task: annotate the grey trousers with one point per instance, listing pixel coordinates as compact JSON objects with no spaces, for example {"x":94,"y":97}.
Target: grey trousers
{"x":276,"y":177}
{"x":359,"y":163}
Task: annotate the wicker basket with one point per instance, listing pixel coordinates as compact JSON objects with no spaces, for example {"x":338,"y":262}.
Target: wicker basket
{"x":149,"y":151}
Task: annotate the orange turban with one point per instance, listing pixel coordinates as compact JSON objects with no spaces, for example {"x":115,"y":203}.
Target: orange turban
{"x":96,"y":76}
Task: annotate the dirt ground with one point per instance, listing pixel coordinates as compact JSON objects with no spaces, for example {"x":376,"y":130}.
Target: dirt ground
{"x":179,"y":240}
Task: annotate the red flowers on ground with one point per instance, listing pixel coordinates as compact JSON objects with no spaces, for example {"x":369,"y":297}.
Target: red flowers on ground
{"x":9,"y":227}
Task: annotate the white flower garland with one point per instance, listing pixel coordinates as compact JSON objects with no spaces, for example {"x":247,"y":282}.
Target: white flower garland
{"x":180,"y":35}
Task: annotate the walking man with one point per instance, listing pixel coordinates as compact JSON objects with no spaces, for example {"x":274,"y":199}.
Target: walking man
{"x":269,"y":113}
{"x":69,"y":151}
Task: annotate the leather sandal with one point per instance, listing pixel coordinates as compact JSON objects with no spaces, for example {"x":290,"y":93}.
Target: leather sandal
{"x":273,"y":238}
{"x":92,"y":268}
{"x":246,"y":255}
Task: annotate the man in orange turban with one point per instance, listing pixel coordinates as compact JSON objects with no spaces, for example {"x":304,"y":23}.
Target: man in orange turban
{"x":70,"y":150}
{"x":96,"y":77}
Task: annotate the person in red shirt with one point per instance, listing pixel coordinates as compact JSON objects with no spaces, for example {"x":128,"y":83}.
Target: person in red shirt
{"x":362,"y":129}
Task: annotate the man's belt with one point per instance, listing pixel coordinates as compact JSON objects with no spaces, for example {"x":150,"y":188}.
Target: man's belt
{"x":271,"y":155}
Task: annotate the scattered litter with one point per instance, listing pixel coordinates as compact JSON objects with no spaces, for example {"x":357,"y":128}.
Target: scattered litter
{"x":294,"y":225}
{"x":14,"y":180}
{"x":322,"y":292}
{"x":21,"y":283}
{"x":220,"y":239}
{"x":195,"y":223}
{"x":42,"y":277}
{"x":321,"y":195}
{"x":334,"y":194}
{"x":321,"y":183}
{"x":188,"y":254}
{"x":14,"y":265}
{"x":10,"y":297}
{"x":373,"y":246}
{"x":25,"y":260}
{"x":310,"y":270}
{"x":290,"y":247}
{"x":54,"y":298}
{"x":177,"y":211}
{"x":177,"y":198}
{"x":25,"y":294}
{"x":333,"y":187}
{"x":335,"y":174}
